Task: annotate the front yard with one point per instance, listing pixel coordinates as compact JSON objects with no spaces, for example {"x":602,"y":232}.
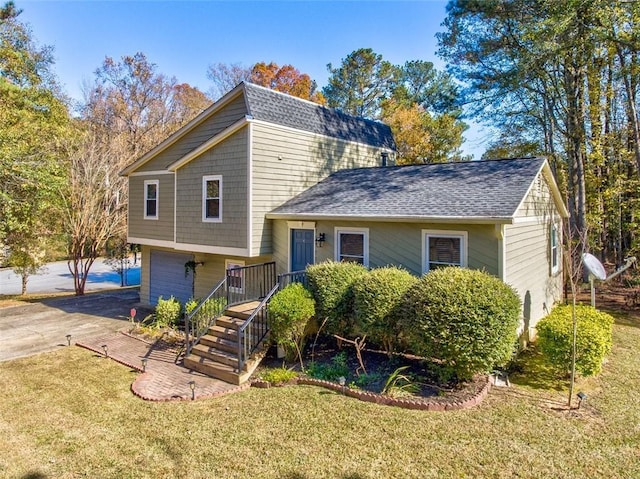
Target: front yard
{"x":70,"y":414}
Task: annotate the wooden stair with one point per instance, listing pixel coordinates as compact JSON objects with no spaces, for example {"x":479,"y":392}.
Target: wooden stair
{"x":216,"y":354}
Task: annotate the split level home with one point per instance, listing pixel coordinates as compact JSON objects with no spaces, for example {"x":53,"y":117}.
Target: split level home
{"x":266,"y":180}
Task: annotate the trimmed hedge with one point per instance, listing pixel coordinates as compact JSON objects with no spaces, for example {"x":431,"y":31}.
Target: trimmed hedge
{"x":289,"y":312}
{"x":331,"y":285}
{"x":593,"y":339}
{"x":464,"y":319}
{"x":377,"y":300}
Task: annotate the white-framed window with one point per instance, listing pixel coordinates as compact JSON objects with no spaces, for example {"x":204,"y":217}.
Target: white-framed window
{"x":352,"y":244}
{"x":554,"y":248}
{"x":212,"y":198}
{"x":151,"y":188}
{"x":443,"y":248}
{"x":234,"y":278}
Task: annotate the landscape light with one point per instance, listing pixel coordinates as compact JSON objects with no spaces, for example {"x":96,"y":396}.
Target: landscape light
{"x":68,"y":340}
{"x":192,"y":385}
{"x":582,"y":397}
{"x":106,"y":350}
{"x":144,"y":364}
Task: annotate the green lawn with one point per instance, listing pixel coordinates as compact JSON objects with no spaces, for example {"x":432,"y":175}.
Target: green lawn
{"x":70,"y":414}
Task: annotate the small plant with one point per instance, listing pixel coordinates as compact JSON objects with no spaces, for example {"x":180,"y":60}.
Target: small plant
{"x":167,"y":312}
{"x":367,"y":379}
{"x":593,"y":342}
{"x":278,"y":375}
{"x":289,"y":313}
{"x":332,"y":371}
{"x":399,"y":384}
{"x":210,"y":309}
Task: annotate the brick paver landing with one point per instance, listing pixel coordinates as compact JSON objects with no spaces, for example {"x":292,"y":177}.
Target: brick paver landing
{"x":162,"y":380}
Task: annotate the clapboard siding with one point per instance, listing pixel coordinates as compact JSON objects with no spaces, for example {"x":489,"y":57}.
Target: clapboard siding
{"x":156,"y":229}
{"x":286,"y":162}
{"x":394,"y":243}
{"x":229,"y":159}
{"x":229,"y":114}
{"x":538,"y":202}
{"x":528,"y":270}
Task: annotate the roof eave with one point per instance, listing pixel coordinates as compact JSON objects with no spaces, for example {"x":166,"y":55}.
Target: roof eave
{"x":394,"y":219}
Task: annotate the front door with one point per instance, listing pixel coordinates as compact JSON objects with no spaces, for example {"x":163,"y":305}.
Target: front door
{"x":302,"y":249}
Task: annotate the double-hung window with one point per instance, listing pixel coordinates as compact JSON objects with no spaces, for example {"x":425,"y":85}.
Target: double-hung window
{"x":212,"y":198}
{"x":554,"y":249}
{"x":352,"y":244}
{"x":151,"y":199}
{"x":444,"y":248}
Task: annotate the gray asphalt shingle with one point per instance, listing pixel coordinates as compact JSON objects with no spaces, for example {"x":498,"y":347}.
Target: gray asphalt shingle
{"x":475,"y":189}
{"x":274,"y":107}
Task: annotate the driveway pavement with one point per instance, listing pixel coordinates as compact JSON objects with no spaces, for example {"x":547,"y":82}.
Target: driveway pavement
{"x":38,"y":327}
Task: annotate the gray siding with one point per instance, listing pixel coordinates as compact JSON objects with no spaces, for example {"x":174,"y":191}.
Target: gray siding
{"x":395,"y":244}
{"x":286,"y":162}
{"x":162,"y":228}
{"x":229,"y":159}
{"x":229,"y":114}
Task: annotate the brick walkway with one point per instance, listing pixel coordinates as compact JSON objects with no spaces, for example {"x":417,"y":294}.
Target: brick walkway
{"x":163,"y":380}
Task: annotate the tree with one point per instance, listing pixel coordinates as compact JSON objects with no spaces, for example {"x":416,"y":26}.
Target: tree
{"x":361,"y":83}
{"x":225,"y":76}
{"x":34,"y":138}
{"x":286,"y":79}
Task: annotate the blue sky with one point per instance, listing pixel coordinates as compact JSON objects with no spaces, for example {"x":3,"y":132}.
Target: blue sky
{"x":184,"y":38}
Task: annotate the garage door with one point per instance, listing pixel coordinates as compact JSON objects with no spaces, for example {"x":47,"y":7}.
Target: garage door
{"x":167,"y":276}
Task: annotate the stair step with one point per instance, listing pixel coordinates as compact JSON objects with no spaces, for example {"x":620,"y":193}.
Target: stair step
{"x":229,"y":322}
{"x":219,"y":343}
{"x":229,"y":334}
{"x":217,"y":370}
{"x":215,"y":354}
{"x":242,"y":311}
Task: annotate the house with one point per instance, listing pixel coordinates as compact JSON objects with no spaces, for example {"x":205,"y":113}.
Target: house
{"x":261,"y":177}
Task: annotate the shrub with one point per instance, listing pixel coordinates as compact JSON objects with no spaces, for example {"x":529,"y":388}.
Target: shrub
{"x":330,"y":371}
{"x":167,"y":312}
{"x":465,"y":319}
{"x":211,"y":308}
{"x":331,"y":284}
{"x":377,"y":300}
{"x":278,"y":375}
{"x":289,"y":312}
{"x":593,"y":339}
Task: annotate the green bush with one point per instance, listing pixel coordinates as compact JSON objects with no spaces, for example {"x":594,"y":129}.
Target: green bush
{"x":332,"y":371}
{"x":289,"y":312}
{"x":278,"y":375}
{"x":167,"y":312}
{"x":593,"y":338}
{"x":464,"y":319}
{"x":377,"y":300}
{"x":331,"y":284}
{"x":201,"y":320}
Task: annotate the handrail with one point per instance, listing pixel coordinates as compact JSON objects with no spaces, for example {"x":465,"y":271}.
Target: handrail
{"x":258,"y":329}
{"x":285,"y":279}
{"x":203,"y":327}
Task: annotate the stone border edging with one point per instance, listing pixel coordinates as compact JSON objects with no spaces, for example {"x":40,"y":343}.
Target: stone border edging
{"x":147,"y":375}
{"x":406,"y":403}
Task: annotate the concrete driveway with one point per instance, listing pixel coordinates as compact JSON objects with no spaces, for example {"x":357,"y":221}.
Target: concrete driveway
{"x":38,"y":327}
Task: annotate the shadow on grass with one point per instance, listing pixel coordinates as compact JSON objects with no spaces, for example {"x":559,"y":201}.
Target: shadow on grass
{"x":298,"y":475}
{"x":34,"y":475}
{"x":531,"y":370}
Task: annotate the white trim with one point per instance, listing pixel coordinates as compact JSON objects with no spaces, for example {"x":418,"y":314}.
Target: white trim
{"x":151,"y":242}
{"x":320,"y":135}
{"x":175,"y":208}
{"x":152,"y":173}
{"x":464,"y":246}
{"x":198,"y":248}
{"x":157,"y":199}
{"x":501,"y":233}
{"x":393,"y":219}
{"x":351,"y":230}
{"x":299,"y":225}
{"x":205,"y":218}
{"x":554,"y":270}
{"x":235,"y":263}
{"x":250,"y":187}
{"x":207,"y":145}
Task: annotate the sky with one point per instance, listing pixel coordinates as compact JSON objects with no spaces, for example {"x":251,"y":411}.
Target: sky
{"x":183,"y":38}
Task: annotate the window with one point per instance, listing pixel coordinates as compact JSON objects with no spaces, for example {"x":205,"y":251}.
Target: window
{"x":444,"y":248}
{"x":352,"y":245}
{"x":151,"y":199}
{"x":555,"y":251}
{"x":234,"y":277}
{"x":212,"y":198}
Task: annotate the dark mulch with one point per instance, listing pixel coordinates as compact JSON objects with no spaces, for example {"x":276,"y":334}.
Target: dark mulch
{"x":328,"y":361}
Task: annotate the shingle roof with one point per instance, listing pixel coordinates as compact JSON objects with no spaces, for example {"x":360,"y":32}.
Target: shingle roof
{"x":491,"y":189}
{"x":279,"y":108}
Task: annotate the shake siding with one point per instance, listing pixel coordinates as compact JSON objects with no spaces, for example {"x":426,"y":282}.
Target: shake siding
{"x":286,"y":162}
{"x":395,"y":244}
{"x":226,"y":116}
{"x":229,"y":159}
{"x":158,"y":229}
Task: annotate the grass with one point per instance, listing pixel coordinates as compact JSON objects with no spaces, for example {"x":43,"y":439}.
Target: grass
{"x":70,"y":414}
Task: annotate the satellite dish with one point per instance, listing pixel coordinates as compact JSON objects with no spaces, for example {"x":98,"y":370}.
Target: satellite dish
{"x":594,"y":266}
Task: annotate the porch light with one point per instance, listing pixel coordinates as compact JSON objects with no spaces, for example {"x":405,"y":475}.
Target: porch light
{"x":320,"y":240}
{"x":68,"y":340}
{"x":144,"y":364}
{"x":106,"y":350}
{"x":192,"y":385}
